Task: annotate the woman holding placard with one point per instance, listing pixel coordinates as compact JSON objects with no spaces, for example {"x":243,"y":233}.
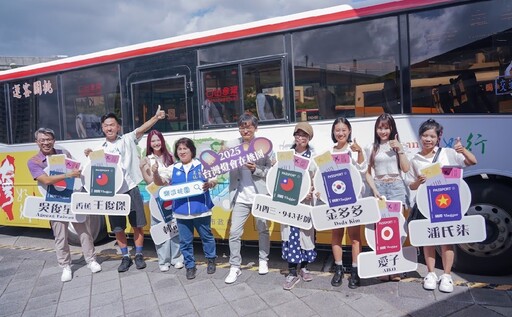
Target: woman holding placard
{"x":299,"y":244}
{"x":386,"y":163}
{"x":341,"y":135}
{"x":157,"y":153}
{"x":194,"y":211}
{"x":430,"y":133}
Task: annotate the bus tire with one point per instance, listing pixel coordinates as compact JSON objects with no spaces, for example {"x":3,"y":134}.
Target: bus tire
{"x":493,"y":256}
{"x":98,"y":230}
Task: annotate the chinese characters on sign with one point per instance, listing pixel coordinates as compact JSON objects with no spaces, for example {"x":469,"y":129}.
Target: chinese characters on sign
{"x":26,"y":90}
{"x":222,"y":94}
{"x":230,"y":159}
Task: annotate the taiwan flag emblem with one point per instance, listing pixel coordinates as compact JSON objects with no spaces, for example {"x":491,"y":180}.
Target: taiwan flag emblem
{"x":102,"y":179}
{"x":286,"y":184}
{"x":444,"y":203}
{"x":287,"y":187}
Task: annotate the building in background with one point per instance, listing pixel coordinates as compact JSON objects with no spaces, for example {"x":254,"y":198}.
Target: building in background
{"x":9,"y":62}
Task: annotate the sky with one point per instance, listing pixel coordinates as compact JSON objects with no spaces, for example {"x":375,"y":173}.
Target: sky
{"x":75,"y":27}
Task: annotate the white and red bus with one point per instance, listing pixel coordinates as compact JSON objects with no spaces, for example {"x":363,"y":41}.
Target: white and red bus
{"x":445,"y":59}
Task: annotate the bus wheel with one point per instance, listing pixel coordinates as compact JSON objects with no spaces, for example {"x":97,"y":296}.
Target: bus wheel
{"x":493,"y":256}
{"x":98,"y":230}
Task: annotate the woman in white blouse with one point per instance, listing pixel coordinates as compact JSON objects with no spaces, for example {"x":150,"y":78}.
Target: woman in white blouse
{"x":430,"y":133}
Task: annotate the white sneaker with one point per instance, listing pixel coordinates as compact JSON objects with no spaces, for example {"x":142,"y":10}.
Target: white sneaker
{"x":94,"y":266}
{"x":263,"y":268}
{"x":430,"y":281}
{"x":164,"y":267}
{"x":234,"y":273}
{"x":179,"y":265}
{"x":67,"y":275}
{"x":446,"y":284}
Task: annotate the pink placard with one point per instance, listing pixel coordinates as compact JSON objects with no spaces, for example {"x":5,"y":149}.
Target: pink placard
{"x":300,"y":162}
{"x":452,"y":172}
{"x":341,"y":158}
{"x":393,"y":206}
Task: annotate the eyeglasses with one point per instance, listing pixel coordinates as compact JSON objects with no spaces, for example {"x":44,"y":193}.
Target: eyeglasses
{"x":45,"y":141}
{"x":249,"y":128}
{"x":298,"y":135}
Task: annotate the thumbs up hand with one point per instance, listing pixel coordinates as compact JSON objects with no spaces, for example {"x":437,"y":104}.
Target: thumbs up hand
{"x":458,"y":147}
{"x":395,"y":144}
{"x":355,"y":147}
{"x":160,"y":114}
{"x":154,"y":168}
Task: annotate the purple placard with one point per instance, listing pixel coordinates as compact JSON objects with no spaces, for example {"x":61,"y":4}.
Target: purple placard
{"x":233,"y":158}
{"x":339,"y":188}
{"x":444,"y":203}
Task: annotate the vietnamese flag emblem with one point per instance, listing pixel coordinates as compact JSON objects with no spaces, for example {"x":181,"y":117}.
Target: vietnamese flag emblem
{"x":443,"y":201}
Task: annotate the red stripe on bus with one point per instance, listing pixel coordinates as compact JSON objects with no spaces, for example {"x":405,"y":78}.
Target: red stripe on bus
{"x":266,"y":29}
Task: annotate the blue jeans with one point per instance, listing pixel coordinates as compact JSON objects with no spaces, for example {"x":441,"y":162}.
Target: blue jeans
{"x":169,"y":251}
{"x":186,"y":230}
{"x":393,"y":191}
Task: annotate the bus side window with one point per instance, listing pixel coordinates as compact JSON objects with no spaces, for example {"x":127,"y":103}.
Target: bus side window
{"x":212,"y":113}
{"x":326,"y":103}
{"x":442,"y":99}
{"x":390,"y":97}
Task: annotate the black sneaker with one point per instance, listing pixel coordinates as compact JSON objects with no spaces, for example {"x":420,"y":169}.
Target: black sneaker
{"x":191,"y":273}
{"x":337,"y":279}
{"x":211,"y":268}
{"x":139,"y":261}
{"x":126,"y":262}
{"x":354,"y":281}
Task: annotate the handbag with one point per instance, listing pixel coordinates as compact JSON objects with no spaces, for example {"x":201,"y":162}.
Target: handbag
{"x":415,"y":212}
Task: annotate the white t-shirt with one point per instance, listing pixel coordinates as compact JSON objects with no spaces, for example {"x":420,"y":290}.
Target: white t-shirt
{"x":447,"y":157}
{"x":126,"y":147}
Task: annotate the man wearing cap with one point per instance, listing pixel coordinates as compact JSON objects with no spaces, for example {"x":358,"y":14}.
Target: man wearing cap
{"x":126,"y":147}
{"x":45,"y":139}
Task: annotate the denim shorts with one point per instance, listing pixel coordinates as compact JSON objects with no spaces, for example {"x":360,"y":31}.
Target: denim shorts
{"x":392,"y":190}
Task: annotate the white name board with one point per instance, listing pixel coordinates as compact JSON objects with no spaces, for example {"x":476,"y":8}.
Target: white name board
{"x":298,"y":216}
{"x":384,"y":264}
{"x":83,"y":203}
{"x":467,"y":230}
{"x":364,"y":211}
{"x":37,"y":207}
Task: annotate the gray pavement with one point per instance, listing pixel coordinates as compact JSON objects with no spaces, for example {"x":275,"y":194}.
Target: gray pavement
{"x":30,"y":286}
